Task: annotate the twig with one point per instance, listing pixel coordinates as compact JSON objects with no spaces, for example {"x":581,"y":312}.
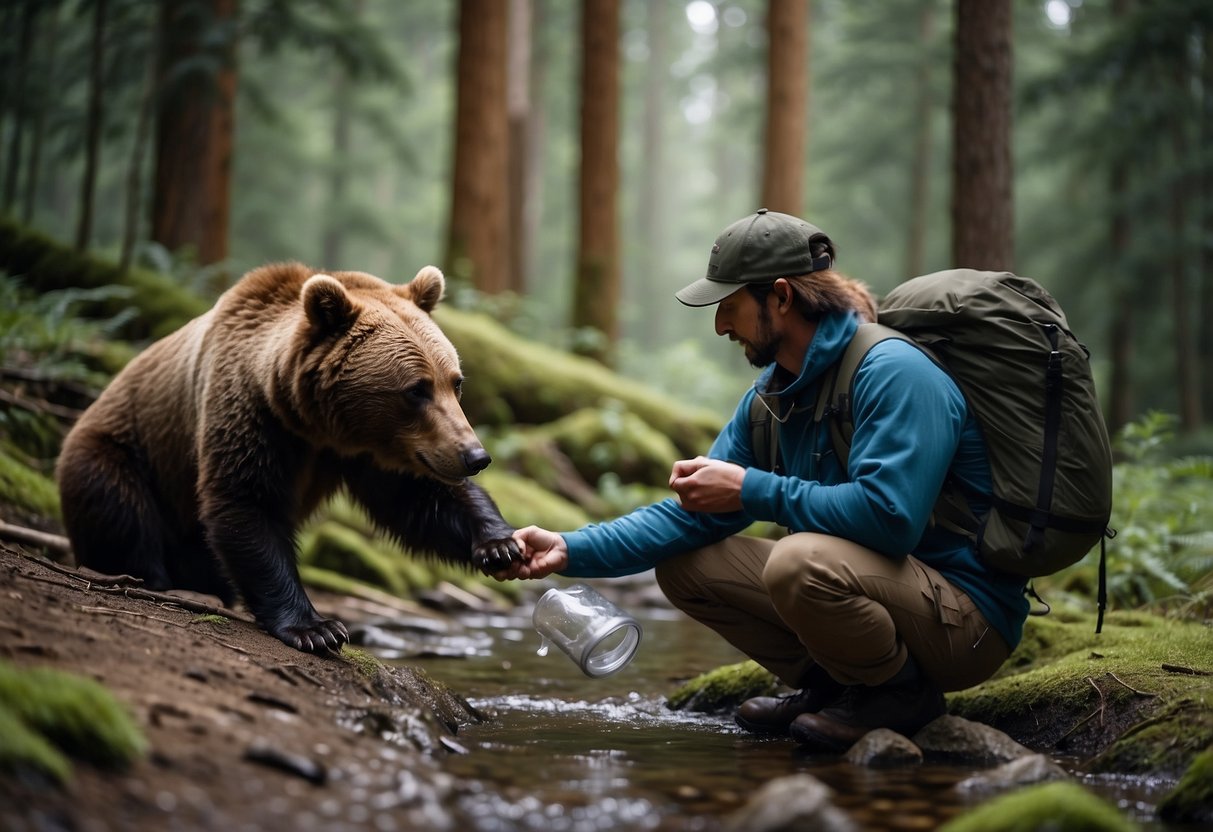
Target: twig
{"x":1135,"y":690}
{"x":1190,"y":671}
{"x":67,"y":414}
{"x":116,"y":613}
{"x":33,"y":537}
{"x":1101,"y":699}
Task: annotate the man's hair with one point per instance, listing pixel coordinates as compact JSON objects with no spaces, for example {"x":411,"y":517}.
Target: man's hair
{"x":824,"y":292}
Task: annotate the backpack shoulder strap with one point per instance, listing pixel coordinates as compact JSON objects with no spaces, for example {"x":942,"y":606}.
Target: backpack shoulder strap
{"x":764,"y":436}
{"x":834,"y":398}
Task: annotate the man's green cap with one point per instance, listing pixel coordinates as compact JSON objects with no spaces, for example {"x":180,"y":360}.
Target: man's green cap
{"x":760,"y":248}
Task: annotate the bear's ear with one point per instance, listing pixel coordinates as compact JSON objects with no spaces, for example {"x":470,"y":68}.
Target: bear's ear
{"x":426,"y":288}
{"x":329,"y":307}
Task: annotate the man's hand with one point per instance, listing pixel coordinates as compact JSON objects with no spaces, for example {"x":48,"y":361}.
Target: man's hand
{"x":704,"y":484}
{"x":543,"y":553}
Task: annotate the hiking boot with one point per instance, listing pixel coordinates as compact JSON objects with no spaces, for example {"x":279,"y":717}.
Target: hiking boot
{"x":773,"y":714}
{"x":903,"y":704}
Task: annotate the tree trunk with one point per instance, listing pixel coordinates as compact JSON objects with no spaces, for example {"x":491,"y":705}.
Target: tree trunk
{"x":334,"y":220}
{"x":650,"y":213}
{"x":982,"y":206}
{"x":596,"y":292}
{"x":191,"y":201}
{"x":92,"y":130}
{"x":1182,"y":310}
{"x":519,"y":108}
{"x":787,"y":105}
{"x":476,"y":245}
{"x":48,"y":49}
{"x":920,"y":170}
{"x":1124,"y":313}
{"x":134,"y":172}
{"x":16,"y":86}
{"x":1121,"y":334}
{"x":1205,"y":350}
{"x":536,"y":142}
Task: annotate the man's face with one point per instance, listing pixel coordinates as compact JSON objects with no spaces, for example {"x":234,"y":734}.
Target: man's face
{"x":744,"y":319}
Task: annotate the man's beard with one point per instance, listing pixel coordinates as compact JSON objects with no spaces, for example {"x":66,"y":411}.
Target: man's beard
{"x":762,"y":351}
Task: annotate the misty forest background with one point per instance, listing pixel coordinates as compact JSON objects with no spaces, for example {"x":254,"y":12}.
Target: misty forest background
{"x":568,"y":165}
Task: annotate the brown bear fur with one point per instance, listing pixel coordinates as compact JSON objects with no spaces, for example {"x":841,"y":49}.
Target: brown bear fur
{"x":196,"y":466}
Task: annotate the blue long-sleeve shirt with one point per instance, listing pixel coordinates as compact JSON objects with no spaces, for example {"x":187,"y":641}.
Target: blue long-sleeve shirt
{"x":912,"y":430}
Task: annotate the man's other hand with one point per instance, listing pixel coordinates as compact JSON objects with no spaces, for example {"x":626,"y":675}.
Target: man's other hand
{"x":704,"y":484}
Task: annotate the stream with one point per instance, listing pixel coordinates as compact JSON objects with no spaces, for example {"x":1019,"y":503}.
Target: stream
{"x":563,"y":752}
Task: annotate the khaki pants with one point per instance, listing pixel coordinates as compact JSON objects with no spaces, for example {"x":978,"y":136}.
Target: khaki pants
{"x":814,"y":599}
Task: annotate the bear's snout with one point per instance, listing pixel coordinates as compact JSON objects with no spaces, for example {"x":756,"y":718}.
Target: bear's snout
{"x":476,"y":460}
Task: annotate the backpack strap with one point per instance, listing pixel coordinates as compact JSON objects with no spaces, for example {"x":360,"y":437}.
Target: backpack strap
{"x":834,"y":402}
{"x":764,"y":436}
{"x":835,"y":396}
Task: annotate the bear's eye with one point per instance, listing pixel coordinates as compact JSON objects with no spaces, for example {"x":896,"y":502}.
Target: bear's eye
{"x":420,"y":393}
{"x":458,"y":385}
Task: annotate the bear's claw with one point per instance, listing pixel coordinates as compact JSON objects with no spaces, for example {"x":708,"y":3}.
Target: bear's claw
{"x":322,"y":635}
{"x":494,"y":555}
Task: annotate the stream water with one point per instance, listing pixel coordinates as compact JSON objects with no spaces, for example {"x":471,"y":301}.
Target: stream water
{"x":561,"y":751}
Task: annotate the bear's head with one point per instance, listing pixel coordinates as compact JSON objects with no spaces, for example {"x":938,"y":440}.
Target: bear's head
{"x":381,"y":378}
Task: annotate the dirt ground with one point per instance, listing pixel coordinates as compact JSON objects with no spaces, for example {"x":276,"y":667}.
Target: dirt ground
{"x":243,"y":731}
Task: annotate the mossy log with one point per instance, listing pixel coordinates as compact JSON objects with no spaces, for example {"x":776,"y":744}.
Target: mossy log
{"x":44,"y":264}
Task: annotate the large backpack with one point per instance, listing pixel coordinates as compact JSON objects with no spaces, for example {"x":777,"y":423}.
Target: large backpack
{"x":1006,"y":343}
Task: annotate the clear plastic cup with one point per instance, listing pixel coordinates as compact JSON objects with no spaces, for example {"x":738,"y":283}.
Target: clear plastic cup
{"x":597,"y":635}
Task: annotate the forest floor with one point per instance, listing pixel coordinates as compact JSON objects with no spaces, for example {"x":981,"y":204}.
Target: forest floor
{"x":243,"y":731}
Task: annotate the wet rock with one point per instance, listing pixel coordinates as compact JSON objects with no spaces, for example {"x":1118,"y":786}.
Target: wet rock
{"x":724,"y":688}
{"x":955,"y":739}
{"x":883,"y":748}
{"x":1192,"y":799}
{"x":1026,"y":771}
{"x":799,"y":801}
{"x":1047,"y":806}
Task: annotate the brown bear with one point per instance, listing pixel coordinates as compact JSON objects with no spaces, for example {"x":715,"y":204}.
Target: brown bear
{"x":197,"y":464}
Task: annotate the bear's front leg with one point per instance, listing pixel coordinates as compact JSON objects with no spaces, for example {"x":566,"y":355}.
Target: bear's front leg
{"x":247,"y":512}
{"x":259,"y":554}
{"x":456,"y":522}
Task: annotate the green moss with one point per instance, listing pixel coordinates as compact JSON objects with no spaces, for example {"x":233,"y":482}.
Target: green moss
{"x":1165,"y":743}
{"x":1191,"y":801}
{"x":1051,"y":667}
{"x":25,"y":488}
{"x":523,"y":503}
{"x":22,"y":749}
{"x":724,"y":688}
{"x":348,"y":552}
{"x":161,"y":303}
{"x":1062,"y":807}
{"x":330,"y":581}
{"x":216,"y":620}
{"x":78,"y":715}
{"x":367,"y":664}
{"x":607,"y":440}
{"x":512,"y":380}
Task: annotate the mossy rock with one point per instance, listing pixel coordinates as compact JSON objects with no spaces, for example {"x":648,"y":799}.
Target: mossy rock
{"x":25,"y":488}
{"x":512,"y":380}
{"x":523,"y":503}
{"x":348,"y":552}
{"x":724,"y":688}
{"x":608,"y":440}
{"x":1063,"y":672}
{"x":1166,"y":743}
{"x":1191,"y":801}
{"x":79,"y":716}
{"x":1063,"y":807}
